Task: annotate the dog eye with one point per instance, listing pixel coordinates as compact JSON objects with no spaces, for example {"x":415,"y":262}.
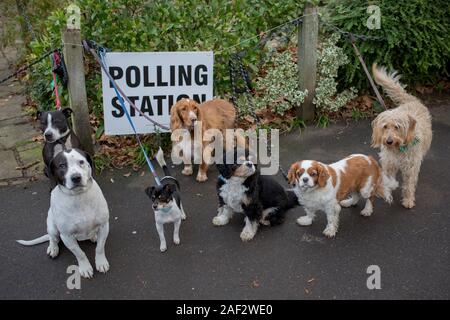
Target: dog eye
{"x":62,"y":166}
{"x":385,"y":126}
{"x":81,"y":162}
{"x":397,"y":127}
{"x":313,"y":174}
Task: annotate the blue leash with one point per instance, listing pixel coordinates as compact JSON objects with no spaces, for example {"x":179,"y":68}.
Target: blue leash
{"x":122,"y":103}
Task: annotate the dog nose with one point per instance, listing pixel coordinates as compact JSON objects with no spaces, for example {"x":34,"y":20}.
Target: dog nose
{"x":305,"y":179}
{"x":76,"y":178}
{"x":48,"y":135}
{"x":389,"y":141}
{"x":249,"y":164}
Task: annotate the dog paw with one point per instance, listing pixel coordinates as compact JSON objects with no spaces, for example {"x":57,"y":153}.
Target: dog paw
{"x":366,"y":212}
{"x":201,"y":177}
{"x":347,"y":203}
{"x":264,"y":222}
{"x":163,"y":247}
{"x":304,"y":221}
{"x":330,"y":231}
{"x":247,"y":235}
{"x":183,"y":216}
{"x":101,"y":264}
{"x":53,"y":251}
{"x":85,"y":269}
{"x":389,"y":198}
{"x":408,"y":203}
{"x":187,"y":171}
{"x":176,"y":240}
{"x":219,"y":221}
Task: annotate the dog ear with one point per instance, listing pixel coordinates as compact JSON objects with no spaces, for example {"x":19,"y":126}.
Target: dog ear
{"x":149,"y":191}
{"x":292,"y":173}
{"x":175,"y":120}
{"x":67,"y":112}
{"x":89,"y":160}
{"x":323,"y":176}
{"x":224,"y":170}
{"x":377,"y":133}
{"x":410,"y":134}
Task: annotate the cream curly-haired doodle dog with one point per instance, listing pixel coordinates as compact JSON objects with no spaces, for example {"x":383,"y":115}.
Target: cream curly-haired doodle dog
{"x":403,"y":134}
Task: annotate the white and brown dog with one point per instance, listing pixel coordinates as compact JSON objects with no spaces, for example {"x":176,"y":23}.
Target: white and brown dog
{"x":403,"y":134}
{"x":321,"y":187}
{"x":78,"y":211}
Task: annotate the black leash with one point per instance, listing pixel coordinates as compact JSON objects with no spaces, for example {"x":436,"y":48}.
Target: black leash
{"x":239,"y":72}
{"x":22,"y":69}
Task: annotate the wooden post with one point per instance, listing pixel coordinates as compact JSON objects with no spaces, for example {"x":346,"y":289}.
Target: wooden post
{"x":307,"y":59}
{"x":73,"y":56}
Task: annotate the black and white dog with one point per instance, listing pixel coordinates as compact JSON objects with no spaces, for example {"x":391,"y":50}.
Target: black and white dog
{"x":166,"y":203}
{"x":57,"y":134}
{"x":78,"y":211}
{"x":242,"y":189}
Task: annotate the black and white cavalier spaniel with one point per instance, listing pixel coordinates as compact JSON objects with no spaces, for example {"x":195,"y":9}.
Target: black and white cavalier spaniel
{"x":241,"y":188}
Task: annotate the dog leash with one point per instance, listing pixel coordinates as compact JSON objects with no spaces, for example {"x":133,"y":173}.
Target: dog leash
{"x":103,"y":64}
{"x":89,"y":47}
{"x":58,"y":69}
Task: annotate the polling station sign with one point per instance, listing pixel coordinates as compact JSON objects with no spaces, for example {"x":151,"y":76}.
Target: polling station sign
{"x":153,"y":81}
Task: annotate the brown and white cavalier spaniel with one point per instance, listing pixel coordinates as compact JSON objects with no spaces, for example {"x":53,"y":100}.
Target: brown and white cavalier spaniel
{"x":213,"y":114}
{"x":322,"y":187}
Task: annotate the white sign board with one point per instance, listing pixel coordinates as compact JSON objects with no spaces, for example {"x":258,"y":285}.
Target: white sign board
{"x":153,"y":81}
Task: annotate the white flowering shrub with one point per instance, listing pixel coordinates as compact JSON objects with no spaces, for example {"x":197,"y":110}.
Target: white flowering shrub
{"x":278,"y":91}
{"x":279,"y":87}
{"x":330,"y":58}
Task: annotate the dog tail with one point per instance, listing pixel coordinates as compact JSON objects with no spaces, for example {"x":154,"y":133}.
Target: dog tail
{"x":162,"y":163}
{"x":39,"y":240}
{"x":385,"y":187}
{"x":391,"y":84}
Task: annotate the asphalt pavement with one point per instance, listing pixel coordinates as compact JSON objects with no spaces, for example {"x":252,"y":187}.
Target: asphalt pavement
{"x":411,"y":247}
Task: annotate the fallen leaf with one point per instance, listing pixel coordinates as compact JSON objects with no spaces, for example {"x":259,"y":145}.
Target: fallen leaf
{"x":311,"y":280}
{"x":126,"y":175}
{"x":255,"y":283}
{"x":112,"y":180}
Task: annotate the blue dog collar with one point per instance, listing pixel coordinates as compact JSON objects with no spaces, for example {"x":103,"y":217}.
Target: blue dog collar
{"x":222,"y":179}
{"x":165,"y":209}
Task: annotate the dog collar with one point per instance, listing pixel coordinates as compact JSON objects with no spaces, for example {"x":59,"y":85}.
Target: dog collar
{"x":222,"y":179}
{"x":63,"y":137}
{"x":404,"y":148}
{"x":165,"y":209}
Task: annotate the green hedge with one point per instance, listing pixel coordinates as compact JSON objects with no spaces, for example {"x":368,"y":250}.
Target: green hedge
{"x":416,"y":38}
{"x":161,"y":25}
